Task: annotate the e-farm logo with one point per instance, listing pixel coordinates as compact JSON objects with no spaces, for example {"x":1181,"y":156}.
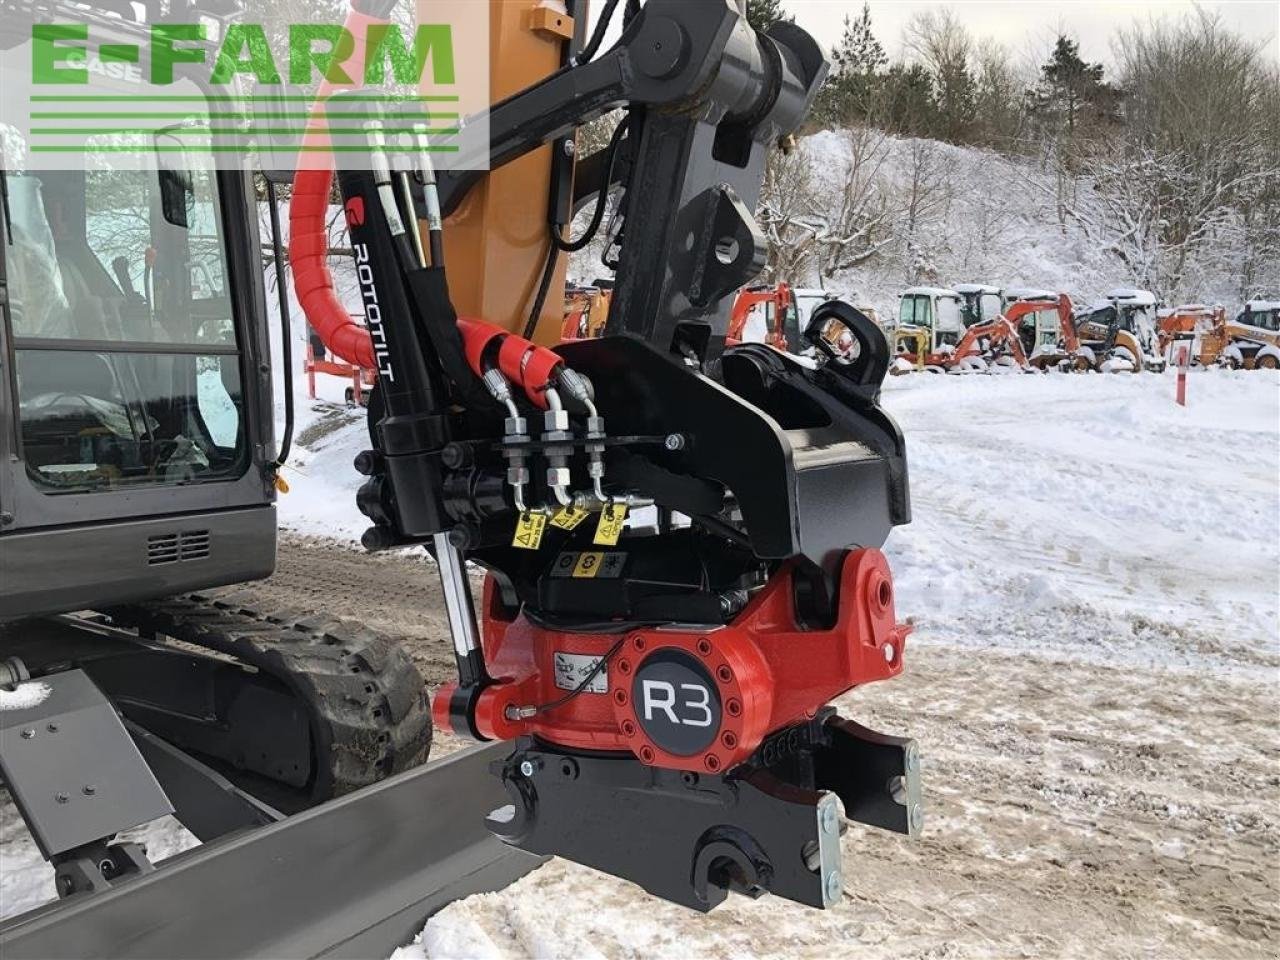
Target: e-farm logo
{"x":71,"y":70}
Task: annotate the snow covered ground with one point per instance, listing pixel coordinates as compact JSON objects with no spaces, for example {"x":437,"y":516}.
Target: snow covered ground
{"x":1088,"y":566}
{"x":1093,"y":574}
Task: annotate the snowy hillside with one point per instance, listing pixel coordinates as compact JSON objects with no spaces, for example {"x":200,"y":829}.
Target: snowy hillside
{"x":867,"y":214}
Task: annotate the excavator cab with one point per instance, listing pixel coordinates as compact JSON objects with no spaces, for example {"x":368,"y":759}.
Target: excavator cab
{"x":1039,"y":330}
{"x":982,"y":303}
{"x":134,"y":398}
{"x":139,"y":465}
{"x":929,"y":325}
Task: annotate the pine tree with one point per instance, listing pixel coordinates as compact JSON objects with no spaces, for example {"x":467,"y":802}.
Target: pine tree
{"x":1069,"y":86}
{"x":857,"y":65}
{"x":909,"y":100}
{"x":763,"y":13}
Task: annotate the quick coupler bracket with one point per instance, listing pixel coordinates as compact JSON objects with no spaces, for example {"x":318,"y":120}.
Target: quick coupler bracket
{"x":772,"y":825}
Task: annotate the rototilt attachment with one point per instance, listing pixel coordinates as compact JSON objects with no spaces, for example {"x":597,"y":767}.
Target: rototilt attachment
{"x":773,"y":825}
{"x":681,"y":540}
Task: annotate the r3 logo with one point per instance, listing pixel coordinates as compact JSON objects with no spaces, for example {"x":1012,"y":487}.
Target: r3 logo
{"x":660,"y":695}
{"x":676,"y":702}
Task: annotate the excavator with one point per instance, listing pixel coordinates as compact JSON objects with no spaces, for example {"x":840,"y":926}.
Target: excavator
{"x":139,"y":471}
{"x":1117,"y":334}
{"x":663,"y":688}
{"x":765,"y":314}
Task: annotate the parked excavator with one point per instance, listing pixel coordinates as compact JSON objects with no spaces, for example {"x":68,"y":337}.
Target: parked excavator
{"x":1118,"y":334}
{"x":999,"y":343}
{"x":139,"y":470}
{"x":766,"y":314}
{"x":663,"y":688}
{"x":928,"y":328}
{"x":1250,"y":342}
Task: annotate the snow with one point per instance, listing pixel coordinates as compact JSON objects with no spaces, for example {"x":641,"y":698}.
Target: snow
{"x":1057,"y":518}
{"x":930,"y":292}
{"x":976,"y":288}
{"x":24,"y":696}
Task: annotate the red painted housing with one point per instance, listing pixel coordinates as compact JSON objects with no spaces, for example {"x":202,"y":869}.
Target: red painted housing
{"x":769,"y":673}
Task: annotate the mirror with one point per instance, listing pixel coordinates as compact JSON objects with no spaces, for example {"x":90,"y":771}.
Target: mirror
{"x":177,"y":189}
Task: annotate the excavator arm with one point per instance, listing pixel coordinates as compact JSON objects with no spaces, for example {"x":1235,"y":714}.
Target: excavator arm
{"x":681,"y":540}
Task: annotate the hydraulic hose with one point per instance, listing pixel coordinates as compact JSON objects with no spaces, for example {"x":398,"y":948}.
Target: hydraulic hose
{"x":309,"y":211}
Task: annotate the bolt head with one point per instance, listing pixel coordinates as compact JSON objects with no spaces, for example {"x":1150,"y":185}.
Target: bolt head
{"x":570,"y":148}
{"x":830,"y":822}
{"x":834,"y":885}
{"x":61,"y":798}
{"x":53,"y":728}
{"x":526,"y":768}
{"x":889,"y":653}
{"x":917,"y":818}
{"x":674,"y":442}
{"x":28,"y":734}
{"x":89,"y":790}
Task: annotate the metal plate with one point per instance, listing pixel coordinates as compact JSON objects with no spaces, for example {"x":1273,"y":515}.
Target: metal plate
{"x":355,"y":877}
{"x":73,"y":769}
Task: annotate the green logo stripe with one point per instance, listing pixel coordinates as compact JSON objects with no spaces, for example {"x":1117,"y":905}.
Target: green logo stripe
{"x":232,"y":131}
{"x":228,"y":148}
{"x":219,"y":98}
{"x":203,"y":115}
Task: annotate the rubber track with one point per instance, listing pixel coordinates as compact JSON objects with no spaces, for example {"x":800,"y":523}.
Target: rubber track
{"x":367,"y":701}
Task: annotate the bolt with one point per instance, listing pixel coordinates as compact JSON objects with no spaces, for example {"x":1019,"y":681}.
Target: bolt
{"x":28,"y":734}
{"x":917,"y":818}
{"x":674,"y":441}
{"x":6,"y":518}
{"x":834,"y":888}
{"x":570,"y":148}
{"x":89,"y":790}
{"x":913,"y":758}
{"x":889,"y":653}
{"x":830,"y":823}
{"x":52,"y":728}
{"x":526,"y":768}
{"x":62,"y":798}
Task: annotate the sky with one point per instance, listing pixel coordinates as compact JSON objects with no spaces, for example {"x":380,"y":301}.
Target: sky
{"x":1028,"y":27}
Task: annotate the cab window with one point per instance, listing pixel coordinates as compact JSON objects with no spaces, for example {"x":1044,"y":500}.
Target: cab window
{"x":127,"y":364}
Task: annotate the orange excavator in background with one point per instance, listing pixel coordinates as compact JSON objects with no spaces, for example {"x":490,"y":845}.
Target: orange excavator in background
{"x":586,"y":311}
{"x":1010,"y":340}
{"x":1014,"y":338}
{"x":765,"y":314}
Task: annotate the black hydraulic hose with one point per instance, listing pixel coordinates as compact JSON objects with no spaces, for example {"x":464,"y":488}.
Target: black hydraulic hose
{"x":544,"y":286}
{"x":597,"y":216}
{"x":286,"y":327}
{"x":597,"y":36}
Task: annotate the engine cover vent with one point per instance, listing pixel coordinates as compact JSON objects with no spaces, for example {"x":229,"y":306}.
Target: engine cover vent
{"x":164,"y":548}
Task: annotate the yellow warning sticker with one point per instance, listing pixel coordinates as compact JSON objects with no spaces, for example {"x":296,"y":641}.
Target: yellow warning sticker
{"x":569,"y":518}
{"x":529,"y":530}
{"x":588,"y":565}
{"x":612,"y":519}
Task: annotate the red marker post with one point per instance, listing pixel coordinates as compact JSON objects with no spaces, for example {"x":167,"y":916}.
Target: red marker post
{"x":1184,"y":360}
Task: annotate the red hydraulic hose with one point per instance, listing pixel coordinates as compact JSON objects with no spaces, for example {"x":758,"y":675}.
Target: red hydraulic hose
{"x":308,"y":227}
